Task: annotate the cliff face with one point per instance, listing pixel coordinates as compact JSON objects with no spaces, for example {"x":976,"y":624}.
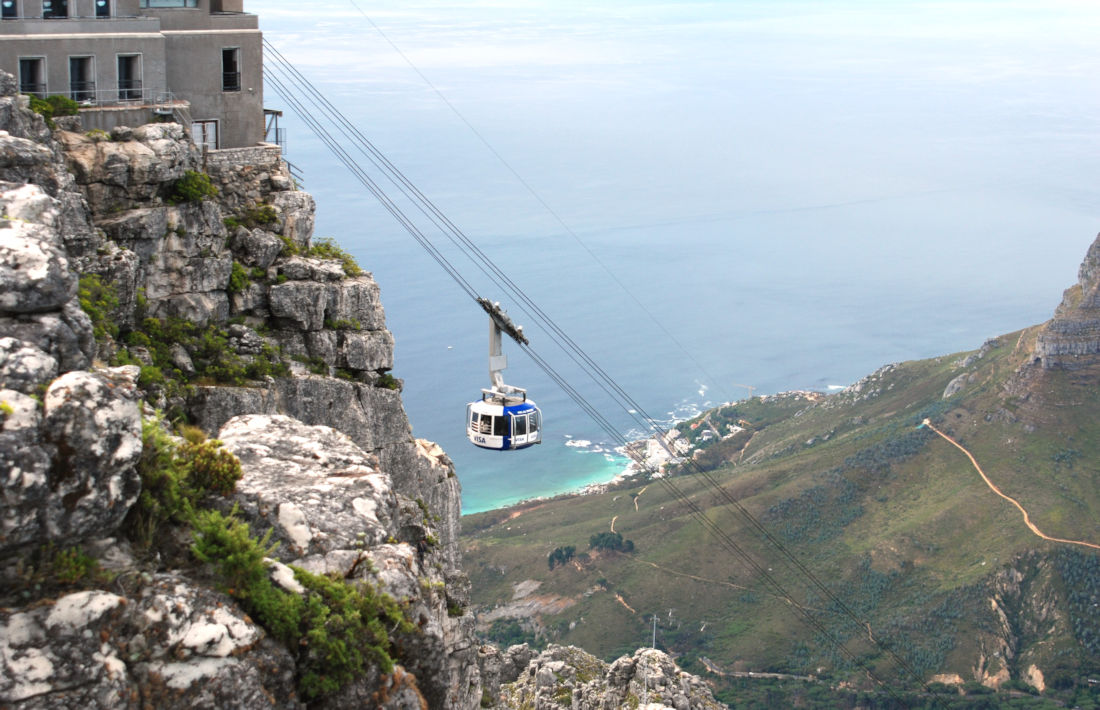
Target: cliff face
{"x":221,"y":310}
{"x":1071,"y":340}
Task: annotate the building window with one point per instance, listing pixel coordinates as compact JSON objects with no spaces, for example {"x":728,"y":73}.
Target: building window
{"x":82,"y":79}
{"x":55,"y":9}
{"x":169,"y":3}
{"x":231,"y":69}
{"x":32,"y":76}
{"x":205,"y":134}
{"x":9,"y":10}
{"x":102,"y":8}
{"x":129,"y":77}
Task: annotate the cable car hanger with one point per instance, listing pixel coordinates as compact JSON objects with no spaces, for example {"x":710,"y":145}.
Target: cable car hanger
{"x":503,"y":419}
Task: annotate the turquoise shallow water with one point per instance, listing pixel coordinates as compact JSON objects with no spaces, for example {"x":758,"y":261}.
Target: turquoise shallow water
{"x":796,"y":192}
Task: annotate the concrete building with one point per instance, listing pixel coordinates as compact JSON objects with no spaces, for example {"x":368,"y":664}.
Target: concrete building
{"x":129,"y":62}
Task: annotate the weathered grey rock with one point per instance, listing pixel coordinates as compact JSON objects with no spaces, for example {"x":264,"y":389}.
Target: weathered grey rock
{"x":34,"y":270}
{"x":244,"y":341}
{"x":24,"y":473}
{"x":298,"y":268}
{"x":956,"y":385}
{"x":24,"y":367}
{"x":256,"y":247}
{"x":93,"y":423}
{"x":322,"y":493}
{"x":300,"y":304}
{"x":65,"y":336}
{"x":118,"y":174}
{"x":649,"y":675}
{"x":333,"y":510}
{"x":1071,"y":340}
{"x":174,"y":645}
{"x":295,"y":216}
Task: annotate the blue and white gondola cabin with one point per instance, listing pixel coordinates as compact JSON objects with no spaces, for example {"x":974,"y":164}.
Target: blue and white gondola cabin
{"x":503,"y":423}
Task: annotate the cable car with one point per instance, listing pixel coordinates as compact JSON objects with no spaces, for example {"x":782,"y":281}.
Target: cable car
{"x":503,"y":419}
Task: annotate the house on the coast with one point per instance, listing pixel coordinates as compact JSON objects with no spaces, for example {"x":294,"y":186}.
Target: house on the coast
{"x":130,"y":62}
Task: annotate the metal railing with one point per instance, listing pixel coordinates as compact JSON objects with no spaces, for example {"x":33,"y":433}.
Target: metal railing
{"x":126,"y":94}
{"x":231,"y":81}
{"x":30,"y":87}
{"x":130,"y":90}
{"x":82,"y":91}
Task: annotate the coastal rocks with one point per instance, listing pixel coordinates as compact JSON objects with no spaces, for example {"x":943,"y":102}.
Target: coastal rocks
{"x":172,"y":645}
{"x":1071,"y":340}
{"x":567,"y":676}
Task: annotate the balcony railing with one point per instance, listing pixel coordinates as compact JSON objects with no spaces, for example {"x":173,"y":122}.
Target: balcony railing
{"x":231,"y":81}
{"x":30,"y":87}
{"x":80,"y":91}
{"x":125,"y":95}
{"x":130,"y":90}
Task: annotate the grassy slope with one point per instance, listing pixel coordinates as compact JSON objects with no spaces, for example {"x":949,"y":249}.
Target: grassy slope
{"x":893,"y":519}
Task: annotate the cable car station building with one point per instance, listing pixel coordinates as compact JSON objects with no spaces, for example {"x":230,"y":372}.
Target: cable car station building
{"x":130,"y":62}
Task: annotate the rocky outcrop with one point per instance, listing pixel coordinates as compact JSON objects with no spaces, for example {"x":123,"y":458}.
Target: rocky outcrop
{"x":170,"y":645}
{"x":1071,"y":340}
{"x":334,"y":511}
{"x":565,"y":676}
{"x":331,"y":467}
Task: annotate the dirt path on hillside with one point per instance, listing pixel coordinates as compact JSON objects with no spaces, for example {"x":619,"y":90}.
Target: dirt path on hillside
{"x":1027,"y":518}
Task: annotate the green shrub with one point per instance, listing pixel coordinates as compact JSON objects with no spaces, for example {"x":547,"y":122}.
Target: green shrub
{"x":238,"y":278}
{"x":289,"y":247}
{"x":98,"y":299}
{"x":336,"y":629}
{"x":175,"y":477}
{"x":388,"y":381}
{"x":327,"y":248}
{"x":343,"y":324}
{"x":610,"y":541}
{"x":98,"y":135}
{"x":259,"y":215}
{"x":55,"y":105}
{"x":192,"y":187}
{"x":6,"y":410}
{"x":165,"y":495}
{"x":212,"y":467}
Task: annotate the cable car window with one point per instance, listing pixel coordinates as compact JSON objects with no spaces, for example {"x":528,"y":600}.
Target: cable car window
{"x":486,"y":425}
{"x":535,"y":423}
{"x":500,"y":426}
{"x":520,"y":425}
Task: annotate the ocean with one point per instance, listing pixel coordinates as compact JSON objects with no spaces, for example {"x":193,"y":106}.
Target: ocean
{"x":744,"y":196}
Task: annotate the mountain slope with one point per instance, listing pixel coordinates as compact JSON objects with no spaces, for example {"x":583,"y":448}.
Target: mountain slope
{"x":944,"y":578}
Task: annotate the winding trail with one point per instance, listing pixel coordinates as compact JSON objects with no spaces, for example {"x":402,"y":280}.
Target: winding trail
{"x":613,"y":523}
{"x":1013,"y":501}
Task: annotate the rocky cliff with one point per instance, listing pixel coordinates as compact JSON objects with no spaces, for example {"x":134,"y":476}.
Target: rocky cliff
{"x":210,"y":301}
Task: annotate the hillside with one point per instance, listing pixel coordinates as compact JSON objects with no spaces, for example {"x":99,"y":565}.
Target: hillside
{"x":944,"y":580}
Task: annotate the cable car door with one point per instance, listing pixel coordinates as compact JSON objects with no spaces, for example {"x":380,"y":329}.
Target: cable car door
{"x":519,"y":429}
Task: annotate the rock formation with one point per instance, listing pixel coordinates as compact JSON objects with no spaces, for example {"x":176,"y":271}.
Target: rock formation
{"x":566,"y":676}
{"x":277,"y":347}
{"x":1071,"y":340}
